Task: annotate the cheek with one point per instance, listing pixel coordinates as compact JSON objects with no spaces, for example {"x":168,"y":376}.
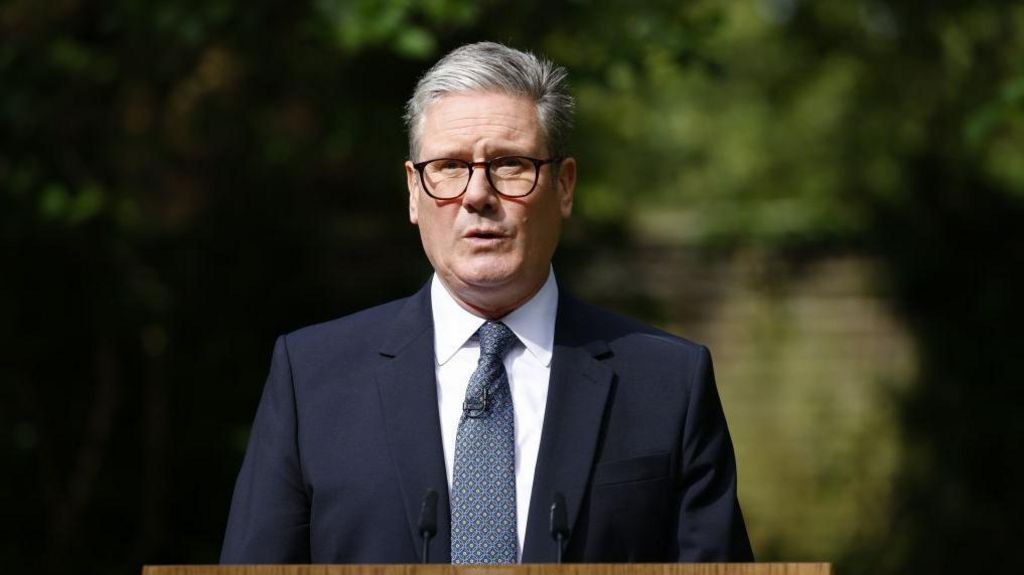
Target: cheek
{"x":436,"y":226}
{"x":431,"y":233}
{"x":543,"y":225}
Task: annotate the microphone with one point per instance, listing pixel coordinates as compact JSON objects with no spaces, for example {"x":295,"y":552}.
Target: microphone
{"x":428,"y":521}
{"x":475,"y":408}
{"x":559,"y":523}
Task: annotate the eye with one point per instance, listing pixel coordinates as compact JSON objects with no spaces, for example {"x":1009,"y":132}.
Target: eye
{"x":510,"y":166}
{"x":447,"y":168}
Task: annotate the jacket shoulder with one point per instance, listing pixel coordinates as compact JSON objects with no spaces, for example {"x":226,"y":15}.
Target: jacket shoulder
{"x":355,"y":334}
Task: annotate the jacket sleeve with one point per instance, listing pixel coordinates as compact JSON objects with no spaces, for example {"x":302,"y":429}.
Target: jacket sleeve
{"x":269,"y":518}
{"x":711,"y":524}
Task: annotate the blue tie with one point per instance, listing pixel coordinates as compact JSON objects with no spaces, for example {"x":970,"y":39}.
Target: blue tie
{"x":484,"y":484}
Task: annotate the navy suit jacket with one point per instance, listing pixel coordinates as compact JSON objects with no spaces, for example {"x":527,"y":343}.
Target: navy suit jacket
{"x":347,"y":440}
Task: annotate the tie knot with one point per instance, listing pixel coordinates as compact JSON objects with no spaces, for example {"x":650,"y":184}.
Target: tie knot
{"x":495,"y":339}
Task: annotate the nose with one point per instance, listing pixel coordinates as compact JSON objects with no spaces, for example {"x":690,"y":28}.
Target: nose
{"x":479,"y":196}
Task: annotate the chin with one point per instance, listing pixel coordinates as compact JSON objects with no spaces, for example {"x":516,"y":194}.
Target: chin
{"x":490,"y":274}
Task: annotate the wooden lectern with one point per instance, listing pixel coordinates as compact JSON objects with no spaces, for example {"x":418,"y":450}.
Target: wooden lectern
{"x":535,"y":569}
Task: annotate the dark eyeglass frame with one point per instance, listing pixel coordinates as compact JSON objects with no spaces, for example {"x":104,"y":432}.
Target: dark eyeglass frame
{"x":537,"y":163}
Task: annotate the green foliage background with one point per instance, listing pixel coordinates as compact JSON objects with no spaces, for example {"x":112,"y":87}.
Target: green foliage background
{"x":182,"y":180}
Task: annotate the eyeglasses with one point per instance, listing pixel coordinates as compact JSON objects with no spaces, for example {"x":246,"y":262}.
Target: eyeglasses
{"x":510,"y":176}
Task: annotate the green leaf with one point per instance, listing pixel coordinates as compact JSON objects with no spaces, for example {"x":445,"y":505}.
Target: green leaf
{"x":53,"y":202}
{"x":416,"y":43}
{"x":86,"y":204}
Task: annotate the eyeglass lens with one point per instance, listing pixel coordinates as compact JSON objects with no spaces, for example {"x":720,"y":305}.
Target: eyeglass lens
{"x":512,"y":176}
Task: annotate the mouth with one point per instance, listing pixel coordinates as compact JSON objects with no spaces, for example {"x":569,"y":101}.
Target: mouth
{"x":485,"y":235}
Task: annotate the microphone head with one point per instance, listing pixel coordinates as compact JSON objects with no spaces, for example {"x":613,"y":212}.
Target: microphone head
{"x":559,"y":518}
{"x":428,"y":514}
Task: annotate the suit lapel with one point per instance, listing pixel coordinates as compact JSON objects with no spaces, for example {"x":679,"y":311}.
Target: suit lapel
{"x":408,"y":395}
{"x":577,"y":394}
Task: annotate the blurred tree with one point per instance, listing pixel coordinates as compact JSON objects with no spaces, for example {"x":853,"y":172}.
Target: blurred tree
{"x":889,"y":128}
{"x":181,"y":181}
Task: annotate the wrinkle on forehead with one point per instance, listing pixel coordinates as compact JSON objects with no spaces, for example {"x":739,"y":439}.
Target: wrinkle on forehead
{"x":480,"y":123}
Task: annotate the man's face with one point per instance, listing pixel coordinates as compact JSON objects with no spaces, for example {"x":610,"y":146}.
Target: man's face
{"x":491,"y":252}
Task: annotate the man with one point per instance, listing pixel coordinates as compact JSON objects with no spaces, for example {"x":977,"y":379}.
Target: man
{"x":489,"y":387}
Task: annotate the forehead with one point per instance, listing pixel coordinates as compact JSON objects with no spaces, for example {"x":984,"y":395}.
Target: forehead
{"x":479,"y":123}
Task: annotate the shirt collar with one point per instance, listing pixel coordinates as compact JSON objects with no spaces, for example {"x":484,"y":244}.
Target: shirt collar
{"x":533,"y":322}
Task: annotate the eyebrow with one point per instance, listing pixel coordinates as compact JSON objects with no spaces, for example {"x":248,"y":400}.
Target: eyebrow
{"x":491,"y":153}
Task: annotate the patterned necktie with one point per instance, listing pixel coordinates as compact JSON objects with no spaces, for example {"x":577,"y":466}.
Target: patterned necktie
{"x":484,"y":484}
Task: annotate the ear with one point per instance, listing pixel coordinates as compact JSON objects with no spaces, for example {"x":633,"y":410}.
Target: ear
{"x":566,"y":186}
{"x":412,"y":182}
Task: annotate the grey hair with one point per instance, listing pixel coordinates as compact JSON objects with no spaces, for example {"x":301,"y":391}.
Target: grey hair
{"x":492,"y":67}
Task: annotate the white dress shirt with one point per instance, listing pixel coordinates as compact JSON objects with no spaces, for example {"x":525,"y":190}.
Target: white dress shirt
{"x":528,"y":365}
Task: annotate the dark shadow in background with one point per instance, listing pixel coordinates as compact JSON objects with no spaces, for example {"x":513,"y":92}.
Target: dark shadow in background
{"x":184,"y":181}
